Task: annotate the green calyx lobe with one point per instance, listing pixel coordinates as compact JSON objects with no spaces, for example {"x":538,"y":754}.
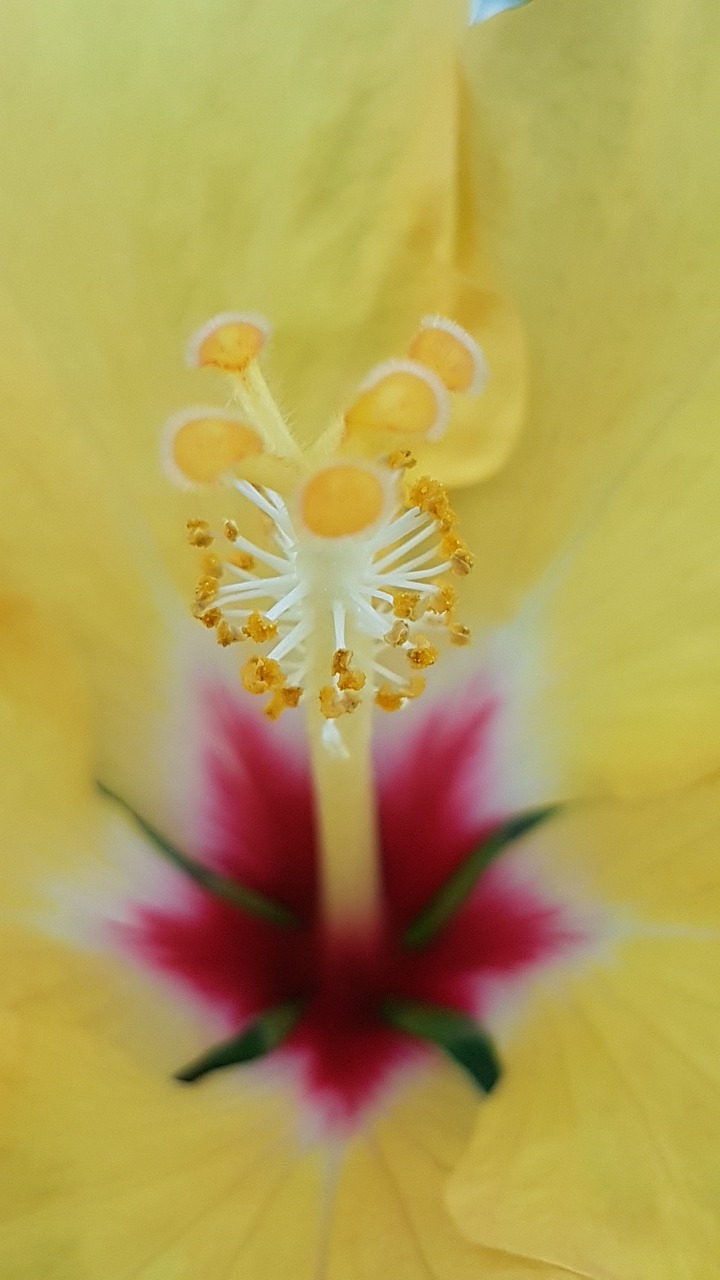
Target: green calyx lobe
{"x":456,"y":1034}
{"x":262,"y":1036}
{"x":237,"y":895}
{"x":446,"y":903}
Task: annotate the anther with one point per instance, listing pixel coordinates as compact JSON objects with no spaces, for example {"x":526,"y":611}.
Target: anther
{"x":212,"y":567}
{"x":242,"y":560}
{"x":282,"y":700}
{"x":230,"y":530}
{"x":331,"y":704}
{"x":259,"y":628}
{"x":198,"y":532}
{"x":462,"y":562}
{"x":444,"y":601}
{"x":227,"y":634}
{"x":388,"y":699}
{"x":423,"y":655}
{"x":430,"y":496}
{"x":407,"y":605}
{"x":261,"y":675}
{"x":459,"y":635}
{"x":398,"y":634}
{"x":209,"y":617}
{"x":347,"y":678}
{"x":206,"y":591}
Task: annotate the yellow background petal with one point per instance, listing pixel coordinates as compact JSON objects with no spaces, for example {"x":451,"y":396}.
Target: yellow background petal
{"x":623,"y":681}
{"x":652,"y":860}
{"x":599,"y":1149}
{"x":169,"y":164}
{"x":596,"y":137}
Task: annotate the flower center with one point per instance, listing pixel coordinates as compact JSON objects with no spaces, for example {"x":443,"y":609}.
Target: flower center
{"x":354,"y":557}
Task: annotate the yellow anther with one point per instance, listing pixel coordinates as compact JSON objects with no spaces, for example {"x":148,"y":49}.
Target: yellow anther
{"x":462,"y":562}
{"x":423,"y":655}
{"x":459,"y":635}
{"x":451,"y":353}
{"x":388,"y":699}
{"x":206,"y":591}
{"x":342,"y":500}
{"x":401,"y":459}
{"x":461,"y":558}
{"x":212,"y":567}
{"x":198,"y":532}
{"x":451,"y":543}
{"x":229,"y":342}
{"x":398,"y":634}
{"x":201,"y":445}
{"x":259,"y":628}
{"x":209,"y":617}
{"x":334,"y":704}
{"x":430,"y":496}
{"x":331,"y":704}
{"x":401,"y":396}
{"x":444,"y":601}
{"x":227,"y":634}
{"x":242,"y":560}
{"x":347,"y":679}
{"x":281,"y":700}
{"x":407,"y":605}
{"x":230,"y":530}
{"x":262,"y":675}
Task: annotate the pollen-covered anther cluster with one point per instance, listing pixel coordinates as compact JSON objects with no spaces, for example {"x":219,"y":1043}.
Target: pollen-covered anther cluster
{"x":341,"y":696}
{"x":347,"y":679}
{"x":259,"y":628}
{"x":351,"y":554}
{"x":265,"y":675}
{"x":423,"y":654}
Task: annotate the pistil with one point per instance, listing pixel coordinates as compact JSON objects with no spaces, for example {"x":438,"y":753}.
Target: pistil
{"x":343,"y":601}
{"x":345,"y":798}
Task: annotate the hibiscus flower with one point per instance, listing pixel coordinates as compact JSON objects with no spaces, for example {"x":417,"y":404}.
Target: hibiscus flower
{"x":514,"y":1071}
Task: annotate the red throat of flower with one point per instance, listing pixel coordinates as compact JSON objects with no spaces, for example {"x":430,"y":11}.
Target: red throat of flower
{"x":342,"y":990}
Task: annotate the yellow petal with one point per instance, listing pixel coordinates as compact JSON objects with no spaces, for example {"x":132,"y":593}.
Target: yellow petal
{"x":148,"y":1175}
{"x":599,"y":1150}
{"x":397,"y":1176}
{"x":653,"y":861}
{"x":601,"y":214}
{"x":623,"y":681}
{"x":182,"y":183}
{"x":137,"y":1177}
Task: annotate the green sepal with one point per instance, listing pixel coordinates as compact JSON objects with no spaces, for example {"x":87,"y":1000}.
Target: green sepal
{"x":238,"y":895}
{"x":257,"y":1040}
{"x":457,"y":889}
{"x":458,"y":1035}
